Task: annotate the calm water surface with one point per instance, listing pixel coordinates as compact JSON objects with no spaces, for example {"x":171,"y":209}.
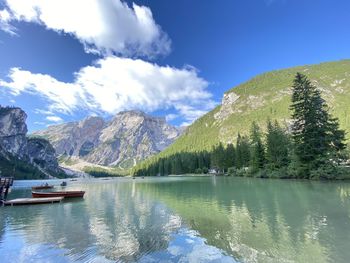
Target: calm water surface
{"x":182,"y":219}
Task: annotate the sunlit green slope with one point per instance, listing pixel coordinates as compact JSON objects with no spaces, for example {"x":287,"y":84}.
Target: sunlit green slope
{"x":265,"y":96}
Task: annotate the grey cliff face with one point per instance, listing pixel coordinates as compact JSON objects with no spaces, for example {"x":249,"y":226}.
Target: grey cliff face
{"x":227,"y":106}
{"x":13,"y":130}
{"x":74,"y":138}
{"x":42,"y":153}
{"x":129,"y":137}
{"x":15,"y":144}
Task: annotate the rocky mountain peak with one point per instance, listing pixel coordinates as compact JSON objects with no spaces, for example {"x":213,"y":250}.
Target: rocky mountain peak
{"x":91,"y":122}
{"x":14,"y":145}
{"x":13,"y":131}
{"x":128,"y":138}
{"x":12,"y":121}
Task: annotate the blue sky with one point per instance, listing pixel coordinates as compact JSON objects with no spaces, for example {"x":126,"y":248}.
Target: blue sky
{"x":61,"y":61}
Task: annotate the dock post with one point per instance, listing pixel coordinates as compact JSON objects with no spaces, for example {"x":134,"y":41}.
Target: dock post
{"x":5,"y":184}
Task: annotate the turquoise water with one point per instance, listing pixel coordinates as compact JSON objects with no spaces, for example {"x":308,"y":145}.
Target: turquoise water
{"x":182,"y":219}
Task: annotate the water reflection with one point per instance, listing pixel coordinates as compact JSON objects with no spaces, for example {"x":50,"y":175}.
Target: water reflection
{"x":264,"y":220}
{"x":116,"y":221}
{"x":204,"y":219}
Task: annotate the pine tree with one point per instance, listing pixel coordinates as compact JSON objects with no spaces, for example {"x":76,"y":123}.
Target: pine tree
{"x":218,"y":157}
{"x":161,"y":167}
{"x":316,"y":135}
{"x":230,"y":156}
{"x":242,"y":151}
{"x":257,"y":153}
{"x":336,"y":140}
{"x":277,"y":146}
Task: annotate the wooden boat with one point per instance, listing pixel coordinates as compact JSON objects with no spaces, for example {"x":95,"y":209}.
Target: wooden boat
{"x":63,"y":184}
{"x":66,"y":194}
{"x":33,"y":201}
{"x":41,"y":187}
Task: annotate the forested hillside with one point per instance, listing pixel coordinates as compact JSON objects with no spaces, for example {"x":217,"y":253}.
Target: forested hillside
{"x":267,"y":96}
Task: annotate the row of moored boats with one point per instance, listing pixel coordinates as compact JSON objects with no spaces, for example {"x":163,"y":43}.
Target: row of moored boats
{"x":44,"y":197}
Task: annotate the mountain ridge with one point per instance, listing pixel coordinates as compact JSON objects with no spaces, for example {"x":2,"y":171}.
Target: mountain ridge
{"x":126,"y":139}
{"x":23,"y":157}
{"x":266,"y":96}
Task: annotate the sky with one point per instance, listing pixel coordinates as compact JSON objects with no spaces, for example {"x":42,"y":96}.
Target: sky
{"x":64,"y":60}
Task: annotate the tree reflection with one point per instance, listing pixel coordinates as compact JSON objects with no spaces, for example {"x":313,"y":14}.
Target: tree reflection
{"x":262,"y":220}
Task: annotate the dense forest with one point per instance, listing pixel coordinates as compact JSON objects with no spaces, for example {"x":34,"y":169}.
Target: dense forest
{"x":104,"y":172}
{"x":312,"y":147}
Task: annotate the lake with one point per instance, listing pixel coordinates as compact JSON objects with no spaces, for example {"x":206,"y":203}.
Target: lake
{"x":182,"y":219}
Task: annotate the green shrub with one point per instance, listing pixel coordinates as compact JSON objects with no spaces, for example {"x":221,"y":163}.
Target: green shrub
{"x":330,"y":171}
{"x":198,"y":171}
{"x":262,"y":173}
{"x":231,"y":171}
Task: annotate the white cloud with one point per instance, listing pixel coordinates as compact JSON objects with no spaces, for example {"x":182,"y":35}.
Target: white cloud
{"x":39,"y":123}
{"x":43,"y":112}
{"x":192,"y":112}
{"x":5,"y":18}
{"x":171,"y":116}
{"x":113,"y":84}
{"x":104,"y":27}
{"x":61,"y":95}
{"x":54,"y":118}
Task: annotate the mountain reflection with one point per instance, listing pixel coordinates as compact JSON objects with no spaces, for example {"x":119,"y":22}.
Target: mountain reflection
{"x":185,"y":219}
{"x":109,"y":222}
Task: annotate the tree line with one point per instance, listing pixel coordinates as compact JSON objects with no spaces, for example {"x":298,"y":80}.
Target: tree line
{"x":311,"y":147}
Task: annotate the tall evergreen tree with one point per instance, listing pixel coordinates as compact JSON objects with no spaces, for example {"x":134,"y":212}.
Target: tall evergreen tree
{"x":242,"y":151}
{"x":277,"y":146}
{"x":230,"y":156}
{"x":315,"y":133}
{"x":161,"y":167}
{"x":218,"y":157}
{"x":257,"y":152}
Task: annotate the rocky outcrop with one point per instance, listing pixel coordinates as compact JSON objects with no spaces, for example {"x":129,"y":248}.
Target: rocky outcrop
{"x":128,"y":138}
{"x":41,"y":152}
{"x":227,"y":106}
{"x":74,"y":138}
{"x":13,"y":130}
{"x":35,"y":156}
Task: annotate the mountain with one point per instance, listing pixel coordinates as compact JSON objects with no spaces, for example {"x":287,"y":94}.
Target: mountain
{"x":265,"y":96}
{"x":23,"y":157}
{"x":131,"y":136}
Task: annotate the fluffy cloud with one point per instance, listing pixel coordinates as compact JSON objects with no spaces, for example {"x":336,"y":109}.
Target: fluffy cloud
{"x":171,"y":116}
{"x":5,"y":18}
{"x":104,"y":27}
{"x":54,"y":118}
{"x":113,"y":84}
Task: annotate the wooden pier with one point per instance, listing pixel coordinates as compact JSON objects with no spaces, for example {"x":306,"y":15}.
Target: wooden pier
{"x":5,"y":185}
{"x":33,"y":201}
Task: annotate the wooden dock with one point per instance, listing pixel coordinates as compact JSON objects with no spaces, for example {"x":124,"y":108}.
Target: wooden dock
{"x":33,"y":201}
{"x":5,"y":184}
